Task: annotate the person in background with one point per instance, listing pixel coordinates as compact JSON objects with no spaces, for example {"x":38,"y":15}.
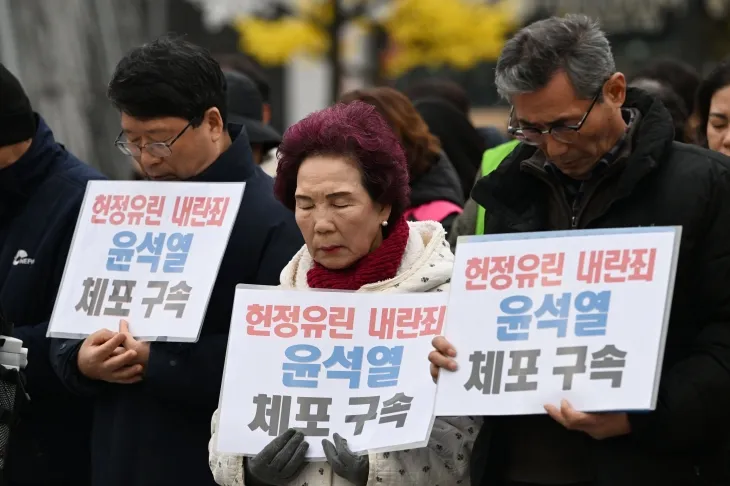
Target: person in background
{"x":713,"y":109}
{"x":436,"y":192}
{"x":459,"y":140}
{"x":42,"y":186}
{"x":243,"y":64}
{"x":671,"y":101}
{"x":153,"y":402}
{"x":596,"y":154}
{"x":453,"y":93}
{"x":345,"y":175}
{"x":683,"y":79}
{"x":472,"y":220}
{"x":246,"y":109}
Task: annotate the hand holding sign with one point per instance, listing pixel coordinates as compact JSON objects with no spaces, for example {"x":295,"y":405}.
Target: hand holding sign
{"x":99,"y":359}
{"x":354,"y":468}
{"x":280,"y":461}
{"x":141,"y":349}
{"x":598,"y":425}
{"x":441,"y":357}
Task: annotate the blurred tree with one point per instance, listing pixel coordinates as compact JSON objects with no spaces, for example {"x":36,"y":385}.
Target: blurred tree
{"x":456,"y":33}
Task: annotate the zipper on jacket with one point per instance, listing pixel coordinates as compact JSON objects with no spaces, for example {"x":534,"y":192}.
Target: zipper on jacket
{"x":575,"y":208}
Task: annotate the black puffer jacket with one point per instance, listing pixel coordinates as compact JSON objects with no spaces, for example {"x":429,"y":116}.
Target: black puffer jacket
{"x":663,"y":183}
{"x":461,"y":142}
{"x":440,"y":183}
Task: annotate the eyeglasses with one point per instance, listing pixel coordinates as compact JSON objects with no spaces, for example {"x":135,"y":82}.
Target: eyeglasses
{"x":155,"y":149}
{"x":562,"y":133}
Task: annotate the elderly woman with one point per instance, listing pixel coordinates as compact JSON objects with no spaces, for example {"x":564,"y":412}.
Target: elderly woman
{"x":344,"y":174}
{"x":436,"y":191}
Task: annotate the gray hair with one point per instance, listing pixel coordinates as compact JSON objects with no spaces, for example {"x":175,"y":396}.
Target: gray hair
{"x":574,"y":44}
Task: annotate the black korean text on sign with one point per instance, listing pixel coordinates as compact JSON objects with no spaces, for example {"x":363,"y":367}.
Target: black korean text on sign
{"x":312,"y":417}
{"x":371,"y":414}
{"x":95,"y":291}
{"x":98,"y":291}
{"x":394,"y":410}
{"x":177,"y":296}
{"x":273,"y":414}
{"x":487,"y":369}
{"x":491,"y":371}
{"x":609,"y":363}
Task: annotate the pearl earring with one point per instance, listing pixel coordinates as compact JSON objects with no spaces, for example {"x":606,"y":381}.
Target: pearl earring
{"x":384,"y":224}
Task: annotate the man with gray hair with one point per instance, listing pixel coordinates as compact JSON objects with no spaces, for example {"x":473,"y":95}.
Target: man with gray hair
{"x":596,"y":154}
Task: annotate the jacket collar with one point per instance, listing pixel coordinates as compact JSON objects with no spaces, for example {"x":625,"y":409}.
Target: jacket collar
{"x":18,"y":181}
{"x":427,"y":263}
{"x":514,"y":194}
{"x":235,"y":164}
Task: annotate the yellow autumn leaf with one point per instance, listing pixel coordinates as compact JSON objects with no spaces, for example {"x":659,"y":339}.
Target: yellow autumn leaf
{"x":459,"y":33}
{"x":274,"y":42}
{"x":446,"y":32}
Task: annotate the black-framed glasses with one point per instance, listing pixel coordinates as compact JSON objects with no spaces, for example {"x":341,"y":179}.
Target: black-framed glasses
{"x":155,"y":149}
{"x":562,"y":133}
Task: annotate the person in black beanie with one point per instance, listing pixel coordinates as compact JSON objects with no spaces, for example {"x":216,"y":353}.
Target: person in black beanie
{"x":41,"y":190}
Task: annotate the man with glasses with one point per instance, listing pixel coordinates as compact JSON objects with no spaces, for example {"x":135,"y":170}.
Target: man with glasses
{"x":595,"y":154}
{"x":152,"y":408}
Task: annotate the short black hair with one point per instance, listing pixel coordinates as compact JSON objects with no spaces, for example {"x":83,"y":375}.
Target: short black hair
{"x":439,"y":88}
{"x":168,"y":77}
{"x":718,"y":78}
{"x":248,"y":67}
{"x":680,"y":76}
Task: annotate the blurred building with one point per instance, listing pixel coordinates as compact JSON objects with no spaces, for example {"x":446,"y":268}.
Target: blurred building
{"x":64,"y":52}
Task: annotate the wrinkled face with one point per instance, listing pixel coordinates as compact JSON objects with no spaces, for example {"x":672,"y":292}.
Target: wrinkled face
{"x":339,"y":221}
{"x":718,"y":123}
{"x":190,"y":154}
{"x":557,"y":105}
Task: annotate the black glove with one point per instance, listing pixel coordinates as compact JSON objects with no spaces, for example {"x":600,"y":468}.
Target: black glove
{"x":345,"y":464}
{"x":280,"y":461}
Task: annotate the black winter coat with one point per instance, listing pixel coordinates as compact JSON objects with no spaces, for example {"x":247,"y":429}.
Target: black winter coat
{"x":663,"y":183}
{"x":156,"y":432}
{"x":40,"y":199}
{"x":439,"y":183}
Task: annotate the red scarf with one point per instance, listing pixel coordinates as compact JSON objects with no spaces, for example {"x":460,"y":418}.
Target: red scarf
{"x":376,"y":266}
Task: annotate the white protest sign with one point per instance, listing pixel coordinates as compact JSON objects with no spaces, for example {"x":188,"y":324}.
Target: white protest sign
{"x":326,"y":362}
{"x":575,"y":315}
{"x":147,"y":252}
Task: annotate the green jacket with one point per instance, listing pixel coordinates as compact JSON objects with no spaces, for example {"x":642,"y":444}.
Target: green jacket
{"x":471,"y":221}
{"x":490,"y":161}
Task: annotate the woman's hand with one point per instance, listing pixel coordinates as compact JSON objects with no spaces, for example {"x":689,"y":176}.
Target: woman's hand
{"x":441,"y":357}
{"x":280,"y":461}
{"x":345,"y":464}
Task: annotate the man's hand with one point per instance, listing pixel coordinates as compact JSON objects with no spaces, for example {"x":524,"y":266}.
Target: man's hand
{"x":100,"y":359}
{"x":141,"y":348}
{"x":442,"y":356}
{"x":597,"y":425}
